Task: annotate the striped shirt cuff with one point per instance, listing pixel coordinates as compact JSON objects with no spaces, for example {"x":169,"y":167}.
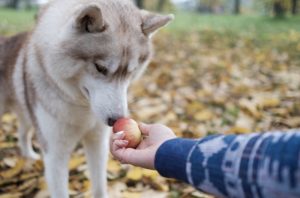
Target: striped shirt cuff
{"x":171,"y":158}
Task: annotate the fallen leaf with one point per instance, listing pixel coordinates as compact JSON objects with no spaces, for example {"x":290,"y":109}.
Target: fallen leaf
{"x":135,"y":173}
{"x":13,"y":171}
{"x":204,"y":115}
{"x":269,"y":102}
{"x":75,"y":162}
{"x":128,"y":194}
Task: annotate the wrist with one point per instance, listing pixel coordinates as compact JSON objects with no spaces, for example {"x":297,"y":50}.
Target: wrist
{"x":171,"y":157}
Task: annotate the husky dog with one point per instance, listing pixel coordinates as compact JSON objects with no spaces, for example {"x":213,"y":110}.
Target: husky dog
{"x":68,"y":79}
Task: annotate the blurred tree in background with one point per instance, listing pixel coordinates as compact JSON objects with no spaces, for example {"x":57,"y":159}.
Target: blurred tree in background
{"x":277,"y":8}
{"x":13,"y":4}
{"x":17,"y":4}
{"x":140,"y":3}
{"x":294,"y":7}
{"x":157,"y":5}
{"x":237,"y":6}
{"x":280,"y":8}
{"x":211,"y":6}
{"x":160,"y":5}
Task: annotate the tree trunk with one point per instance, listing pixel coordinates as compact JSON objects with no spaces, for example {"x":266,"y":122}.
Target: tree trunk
{"x":237,"y":6}
{"x":294,"y":7}
{"x":140,"y":3}
{"x":29,"y":4}
{"x":160,"y":5}
{"x":279,"y":10}
{"x":13,"y":4}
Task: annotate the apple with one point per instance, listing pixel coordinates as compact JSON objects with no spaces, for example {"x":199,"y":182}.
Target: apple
{"x":131,"y":130}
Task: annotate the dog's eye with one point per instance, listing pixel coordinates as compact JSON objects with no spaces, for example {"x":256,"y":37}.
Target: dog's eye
{"x":101,"y":69}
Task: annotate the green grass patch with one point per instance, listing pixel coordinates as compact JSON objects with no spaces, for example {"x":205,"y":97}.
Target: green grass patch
{"x":12,"y":21}
{"x":255,"y":25}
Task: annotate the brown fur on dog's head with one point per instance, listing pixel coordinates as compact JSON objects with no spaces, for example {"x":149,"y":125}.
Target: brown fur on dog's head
{"x":97,"y":42}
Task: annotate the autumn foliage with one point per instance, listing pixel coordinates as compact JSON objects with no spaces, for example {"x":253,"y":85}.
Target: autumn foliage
{"x":199,"y":83}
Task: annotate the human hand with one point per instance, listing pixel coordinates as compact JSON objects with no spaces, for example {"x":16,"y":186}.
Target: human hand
{"x":144,"y":155}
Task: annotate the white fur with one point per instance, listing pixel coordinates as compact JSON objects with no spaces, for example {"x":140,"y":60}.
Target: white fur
{"x":72,"y":100}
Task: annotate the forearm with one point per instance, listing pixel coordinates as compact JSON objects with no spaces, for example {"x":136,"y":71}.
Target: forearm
{"x":235,"y":166}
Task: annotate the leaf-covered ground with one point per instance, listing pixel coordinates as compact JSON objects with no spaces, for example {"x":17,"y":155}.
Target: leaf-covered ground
{"x":199,"y":83}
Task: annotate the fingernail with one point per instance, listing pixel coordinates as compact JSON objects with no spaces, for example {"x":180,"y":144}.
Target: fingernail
{"x":119,"y":134}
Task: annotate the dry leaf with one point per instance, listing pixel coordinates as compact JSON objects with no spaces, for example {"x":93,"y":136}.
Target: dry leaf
{"x":135,"y":173}
{"x":205,"y":115}
{"x":128,"y":194}
{"x":13,"y":171}
{"x":11,"y":195}
{"x":8,"y":118}
{"x":76,"y":162}
{"x":269,"y":102}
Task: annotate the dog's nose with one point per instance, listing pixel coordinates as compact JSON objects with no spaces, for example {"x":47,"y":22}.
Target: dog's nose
{"x":111,"y":121}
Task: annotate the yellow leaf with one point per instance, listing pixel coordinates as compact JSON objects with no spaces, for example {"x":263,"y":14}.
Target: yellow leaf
{"x":11,"y":195}
{"x":127,"y":194}
{"x":27,"y":176}
{"x":243,"y":124}
{"x":86,"y":185}
{"x":13,"y":171}
{"x":150,"y":173}
{"x":6,"y":145}
{"x":113,"y":166}
{"x":39,"y":165}
{"x":42,"y":183}
{"x":8,"y":118}
{"x":10,"y":162}
{"x":280,"y":111}
{"x":135,"y":173}
{"x":28,"y":184}
{"x":250,"y":107}
{"x":150,"y":111}
{"x":204,"y":115}
{"x":238,"y":130}
{"x":293,"y":122}
{"x":75,"y":162}
{"x":269,"y":102}
{"x":193,"y":108}
{"x":201,"y":195}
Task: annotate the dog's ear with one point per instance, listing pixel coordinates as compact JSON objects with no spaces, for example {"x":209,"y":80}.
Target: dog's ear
{"x":152,"y":22}
{"x":90,"y":20}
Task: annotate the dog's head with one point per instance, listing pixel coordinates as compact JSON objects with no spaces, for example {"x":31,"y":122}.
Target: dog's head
{"x":99,"y":47}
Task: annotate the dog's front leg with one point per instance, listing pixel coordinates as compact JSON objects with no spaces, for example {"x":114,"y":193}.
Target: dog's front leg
{"x":96,"y":144}
{"x":58,"y":143}
{"x":56,"y":171}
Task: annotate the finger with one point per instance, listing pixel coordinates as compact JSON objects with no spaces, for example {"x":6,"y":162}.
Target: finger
{"x":118,"y":136}
{"x":121,"y":143}
{"x":145,"y":128}
{"x":117,"y":145}
{"x":141,"y":158}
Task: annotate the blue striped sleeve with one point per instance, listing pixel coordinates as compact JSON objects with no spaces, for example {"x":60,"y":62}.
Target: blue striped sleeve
{"x":171,"y":157}
{"x":236,"y":166}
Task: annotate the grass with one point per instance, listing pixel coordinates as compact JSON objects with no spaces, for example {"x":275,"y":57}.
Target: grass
{"x":12,"y":21}
{"x":259,"y":25}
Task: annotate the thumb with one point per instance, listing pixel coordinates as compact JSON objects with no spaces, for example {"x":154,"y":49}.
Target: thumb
{"x":143,"y":158}
{"x":145,"y":128}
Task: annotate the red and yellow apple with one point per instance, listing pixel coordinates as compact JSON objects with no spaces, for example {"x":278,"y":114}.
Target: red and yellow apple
{"x":131,"y":130}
